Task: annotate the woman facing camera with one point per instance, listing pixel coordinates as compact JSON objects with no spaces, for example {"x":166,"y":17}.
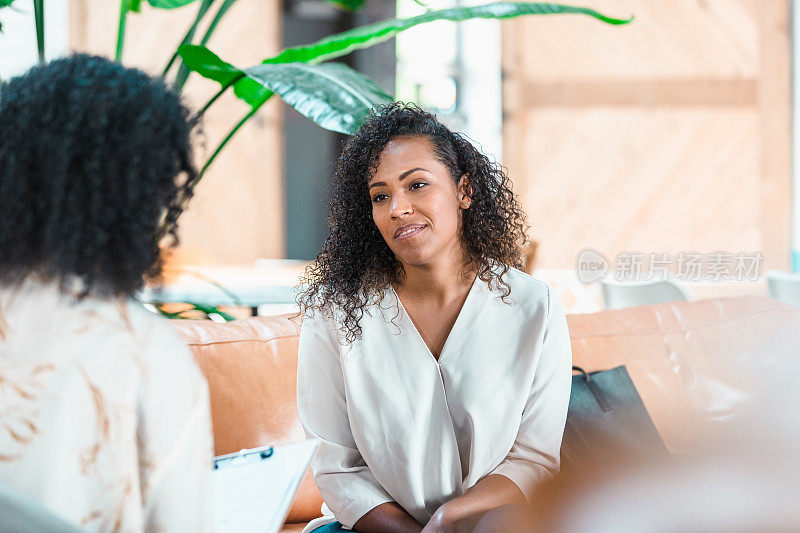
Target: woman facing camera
{"x":435,"y":374}
{"x":104,"y":415}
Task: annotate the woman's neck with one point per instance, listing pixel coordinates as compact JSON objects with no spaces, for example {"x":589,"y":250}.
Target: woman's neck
{"x":439,"y":281}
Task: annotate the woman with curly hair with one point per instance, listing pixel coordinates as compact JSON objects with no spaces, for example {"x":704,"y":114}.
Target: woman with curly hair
{"x":104,"y":416}
{"x":435,"y":374}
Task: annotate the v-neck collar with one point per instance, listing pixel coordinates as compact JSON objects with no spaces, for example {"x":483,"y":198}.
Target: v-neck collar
{"x":465,"y":310}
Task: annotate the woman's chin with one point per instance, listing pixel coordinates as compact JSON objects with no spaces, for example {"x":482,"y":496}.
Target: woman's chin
{"x":418,"y":260}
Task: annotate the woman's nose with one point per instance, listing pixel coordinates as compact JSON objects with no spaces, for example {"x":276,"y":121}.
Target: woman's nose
{"x":400,"y":207}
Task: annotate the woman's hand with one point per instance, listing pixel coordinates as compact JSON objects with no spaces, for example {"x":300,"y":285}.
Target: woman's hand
{"x":386,"y":517}
{"x":462,"y":513}
{"x":448,"y":519}
{"x":441,"y":522}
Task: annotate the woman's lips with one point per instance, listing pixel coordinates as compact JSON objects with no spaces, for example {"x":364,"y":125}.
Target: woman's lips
{"x":408,"y":231}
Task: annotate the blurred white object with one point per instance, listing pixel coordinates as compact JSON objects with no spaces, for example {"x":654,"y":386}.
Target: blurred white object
{"x":271,"y":284}
{"x":784,"y":286}
{"x":18,"y":38}
{"x":744,"y":477}
{"x":21,"y":515}
{"x":618,"y":294}
{"x":724,"y":495}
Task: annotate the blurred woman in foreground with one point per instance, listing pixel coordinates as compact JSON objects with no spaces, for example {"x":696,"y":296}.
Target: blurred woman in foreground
{"x":104,"y":416}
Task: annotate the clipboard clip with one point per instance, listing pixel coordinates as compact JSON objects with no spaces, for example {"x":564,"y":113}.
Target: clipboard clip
{"x":243,"y":456}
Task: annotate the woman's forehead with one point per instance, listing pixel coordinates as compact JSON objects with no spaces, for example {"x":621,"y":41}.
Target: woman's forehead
{"x":409,"y":142}
{"x":403,"y":150}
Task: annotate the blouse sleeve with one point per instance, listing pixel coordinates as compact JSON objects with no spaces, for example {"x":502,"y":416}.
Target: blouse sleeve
{"x":535,"y":454}
{"x":345,"y":481}
{"x":175,"y":439}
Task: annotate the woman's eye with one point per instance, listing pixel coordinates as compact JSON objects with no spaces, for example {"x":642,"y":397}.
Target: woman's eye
{"x":378,"y":198}
{"x":418,"y":185}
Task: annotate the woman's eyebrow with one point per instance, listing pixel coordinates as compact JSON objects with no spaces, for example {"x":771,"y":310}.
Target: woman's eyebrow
{"x":403,"y":176}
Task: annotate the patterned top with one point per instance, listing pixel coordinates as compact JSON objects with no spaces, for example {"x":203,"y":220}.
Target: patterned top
{"x":104,"y":414}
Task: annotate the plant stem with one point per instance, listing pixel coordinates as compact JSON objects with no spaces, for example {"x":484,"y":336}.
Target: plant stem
{"x":183,"y":71}
{"x":217,"y":95}
{"x":123,"y":14}
{"x":226,"y":5}
{"x":205,"y":5}
{"x":38,"y":13}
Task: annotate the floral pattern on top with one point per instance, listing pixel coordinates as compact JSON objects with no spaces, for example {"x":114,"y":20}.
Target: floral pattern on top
{"x":104,"y":414}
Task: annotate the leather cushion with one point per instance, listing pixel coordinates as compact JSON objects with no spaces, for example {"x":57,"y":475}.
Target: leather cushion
{"x":695,"y":364}
{"x":251,"y":368}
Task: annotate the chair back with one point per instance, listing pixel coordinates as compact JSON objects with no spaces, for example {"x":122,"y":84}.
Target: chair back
{"x":784,"y":286}
{"x":619,"y":295}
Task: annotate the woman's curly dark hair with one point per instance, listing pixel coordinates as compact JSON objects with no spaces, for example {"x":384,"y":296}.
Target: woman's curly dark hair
{"x":95,"y":164}
{"x":355,"y":263}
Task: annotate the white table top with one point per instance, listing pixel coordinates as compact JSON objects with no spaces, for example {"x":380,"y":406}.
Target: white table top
{"x":269,"y":281}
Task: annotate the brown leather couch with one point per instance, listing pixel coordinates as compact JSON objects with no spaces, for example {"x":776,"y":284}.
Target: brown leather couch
{"x":690,"y":361}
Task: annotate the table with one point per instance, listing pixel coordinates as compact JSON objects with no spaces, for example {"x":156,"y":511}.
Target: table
{"x":268,"y":285}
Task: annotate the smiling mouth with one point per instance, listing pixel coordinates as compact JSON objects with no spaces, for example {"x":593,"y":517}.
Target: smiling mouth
{"x":407,"y":232}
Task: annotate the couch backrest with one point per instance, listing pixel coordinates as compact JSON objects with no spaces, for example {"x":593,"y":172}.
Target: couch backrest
{"x":692,"y":363}
{"x":251,"y":368}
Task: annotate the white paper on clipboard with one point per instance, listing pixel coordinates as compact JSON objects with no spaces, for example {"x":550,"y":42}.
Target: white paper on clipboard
{"x":254,"y":495}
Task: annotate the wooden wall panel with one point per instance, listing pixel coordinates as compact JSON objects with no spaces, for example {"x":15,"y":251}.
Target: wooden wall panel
{"x":697,"y":187}
{"x":668,"y":38}
{"x":237,"y":213}
{"x":669,"y":135}
{"x":774,"y":109}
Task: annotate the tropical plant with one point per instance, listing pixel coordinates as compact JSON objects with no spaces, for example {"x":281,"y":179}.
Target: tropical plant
{"x":332,"y":95}
{"x":190,"y":310}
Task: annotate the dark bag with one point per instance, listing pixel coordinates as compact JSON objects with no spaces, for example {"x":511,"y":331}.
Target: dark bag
{"x":607,"y":422}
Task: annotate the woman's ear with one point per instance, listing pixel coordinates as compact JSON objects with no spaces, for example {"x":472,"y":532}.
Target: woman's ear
{"x":464,"y":191}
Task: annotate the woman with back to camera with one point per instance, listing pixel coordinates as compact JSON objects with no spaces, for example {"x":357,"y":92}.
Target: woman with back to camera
{"x":435,"y":374}
{"x":104,"y":415}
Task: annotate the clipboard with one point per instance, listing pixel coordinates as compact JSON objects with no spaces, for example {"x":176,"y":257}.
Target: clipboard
{"x":252,"y":489}
{"x":243,"y":457}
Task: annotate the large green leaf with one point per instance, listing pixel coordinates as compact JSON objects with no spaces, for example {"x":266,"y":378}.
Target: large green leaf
{"x":206,"y":63}
{"x":209,"y":65}
{"x":169,"y":4}
{"x":332,"y":95}
{"x":343,"y":43}
{"x":350,"y":5}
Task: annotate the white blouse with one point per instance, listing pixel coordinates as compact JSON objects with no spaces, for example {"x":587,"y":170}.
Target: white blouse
{"x":397,"y":425}
{"x":104,"y":414}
